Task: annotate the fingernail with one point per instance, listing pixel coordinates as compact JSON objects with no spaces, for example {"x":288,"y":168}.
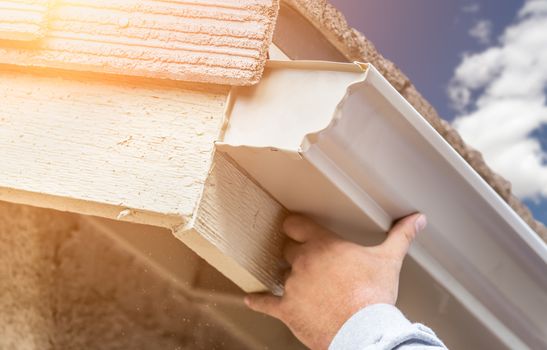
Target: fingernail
{"x":420,"y":223}
{"x":247,"y":301}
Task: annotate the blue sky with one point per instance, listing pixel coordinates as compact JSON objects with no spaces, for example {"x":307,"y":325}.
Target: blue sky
{"x":431,"y":39}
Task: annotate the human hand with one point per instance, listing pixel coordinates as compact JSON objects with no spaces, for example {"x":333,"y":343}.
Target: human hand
{"x":331,"y":279}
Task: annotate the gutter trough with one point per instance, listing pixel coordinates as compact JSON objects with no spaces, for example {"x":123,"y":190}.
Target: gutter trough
{"x":337,"y":142}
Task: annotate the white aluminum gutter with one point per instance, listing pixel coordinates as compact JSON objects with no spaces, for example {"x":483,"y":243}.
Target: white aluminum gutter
{"x":337,"y":142}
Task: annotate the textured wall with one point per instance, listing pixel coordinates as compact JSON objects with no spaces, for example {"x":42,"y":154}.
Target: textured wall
{"x":28,"y":264}
{"x":66,"y":286}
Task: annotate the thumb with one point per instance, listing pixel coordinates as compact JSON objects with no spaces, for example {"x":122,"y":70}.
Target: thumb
{"x":265,"y":303}
{"x":402,"y":234}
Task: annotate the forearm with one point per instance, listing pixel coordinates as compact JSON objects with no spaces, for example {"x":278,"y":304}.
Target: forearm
{"x":383,"y":327}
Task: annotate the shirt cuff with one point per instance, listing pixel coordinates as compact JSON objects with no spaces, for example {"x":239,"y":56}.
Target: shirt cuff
{"x":367,"y":327}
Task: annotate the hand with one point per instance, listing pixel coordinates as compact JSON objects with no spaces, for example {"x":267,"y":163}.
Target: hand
{"x":331,"y":279}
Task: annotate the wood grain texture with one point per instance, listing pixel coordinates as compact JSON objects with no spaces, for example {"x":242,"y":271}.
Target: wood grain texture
{"x":136,"y":150}
{"x":23,"y":19}
{"x":237,"y":229}
{"x":218,"y":41}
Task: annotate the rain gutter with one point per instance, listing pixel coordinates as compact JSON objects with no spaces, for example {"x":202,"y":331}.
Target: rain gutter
{"x":337,"y":142}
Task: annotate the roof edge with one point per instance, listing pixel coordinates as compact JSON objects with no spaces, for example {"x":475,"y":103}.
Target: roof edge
{"x":356,"y":47}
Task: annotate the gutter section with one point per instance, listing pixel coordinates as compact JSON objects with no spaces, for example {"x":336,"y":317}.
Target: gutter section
{"x":337,"y":142}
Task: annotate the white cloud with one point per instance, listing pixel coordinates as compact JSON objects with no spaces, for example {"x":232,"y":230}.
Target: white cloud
{"x":471,"y":8}
{"x":482,"y":30}
{"x":500,"y":94}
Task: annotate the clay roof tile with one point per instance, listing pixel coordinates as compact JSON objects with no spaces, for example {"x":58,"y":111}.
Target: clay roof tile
{"x":212,"y":41}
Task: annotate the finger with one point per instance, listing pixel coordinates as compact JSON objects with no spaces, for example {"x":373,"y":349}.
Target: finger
{"x":264,"y":303}
{"x":302,"y":229}
{"x":291,"y":251}
{"x":402,"y":234}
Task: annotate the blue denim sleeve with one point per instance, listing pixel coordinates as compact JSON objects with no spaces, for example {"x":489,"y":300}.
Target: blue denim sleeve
{"x":383,"y":327}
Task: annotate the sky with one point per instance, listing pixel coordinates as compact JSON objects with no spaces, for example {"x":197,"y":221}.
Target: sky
{"x":483,"y":65}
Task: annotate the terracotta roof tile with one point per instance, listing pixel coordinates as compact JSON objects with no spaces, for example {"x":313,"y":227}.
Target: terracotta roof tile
{"x":217,"y":41}
{"x":22,"y":19}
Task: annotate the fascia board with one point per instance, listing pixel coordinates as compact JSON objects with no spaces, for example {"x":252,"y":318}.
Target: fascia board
{"x":377,"y":159}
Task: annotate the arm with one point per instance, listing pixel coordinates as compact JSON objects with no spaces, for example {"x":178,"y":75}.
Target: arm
{"x":383,"y":326}
{"x":340,"y":295}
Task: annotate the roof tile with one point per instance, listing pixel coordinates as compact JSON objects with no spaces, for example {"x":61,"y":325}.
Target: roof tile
{"x":22,"y":19}
{"x":215,"y":41}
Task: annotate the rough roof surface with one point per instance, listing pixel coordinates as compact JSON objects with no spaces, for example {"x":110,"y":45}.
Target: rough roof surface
{"x":329,"y":21}
{"x":22,"y":19}
{"x":214,"y":41}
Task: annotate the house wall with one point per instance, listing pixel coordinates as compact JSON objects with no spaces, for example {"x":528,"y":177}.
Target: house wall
{"x":29,"y":239}
{"x":66,"y":285}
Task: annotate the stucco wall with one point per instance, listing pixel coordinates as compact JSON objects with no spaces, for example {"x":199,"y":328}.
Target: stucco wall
{"x":67,"y":286}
